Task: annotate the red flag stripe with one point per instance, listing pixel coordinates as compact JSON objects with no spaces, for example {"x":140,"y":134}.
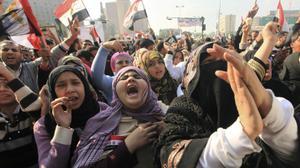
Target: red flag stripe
{"x":63,"y":8}
{"x":34,"y":25}
{"x":280,"y":13}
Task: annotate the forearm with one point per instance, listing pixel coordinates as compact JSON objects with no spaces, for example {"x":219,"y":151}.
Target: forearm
{"x":175,"y":74}
{"x":227,"y":147}
{"x":57,"y":53}
{"x":280,"y":131}
{"x":102,"y":81}
{"x":265,"y":50}
{"x":24,"y":95}
{"x":55,"y":152}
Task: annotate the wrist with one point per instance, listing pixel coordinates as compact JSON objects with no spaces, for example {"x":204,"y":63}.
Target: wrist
{"x":266,"y":104}
{"x":131,"y":147}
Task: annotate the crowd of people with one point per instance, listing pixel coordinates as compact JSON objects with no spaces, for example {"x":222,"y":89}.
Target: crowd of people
{"x":152,"y":102}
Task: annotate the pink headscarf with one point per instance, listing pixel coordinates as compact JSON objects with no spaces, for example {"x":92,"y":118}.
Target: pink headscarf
{"x":116,"y":56}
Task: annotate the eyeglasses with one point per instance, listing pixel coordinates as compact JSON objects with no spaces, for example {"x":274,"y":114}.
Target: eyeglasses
{"x":7,"y":49}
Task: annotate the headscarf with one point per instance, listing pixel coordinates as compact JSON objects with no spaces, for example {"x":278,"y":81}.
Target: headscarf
{"x":98,"y":94}
{"x":88,"y":108}
{"x":96,"y":138}
{"x":116,"y":56}
{"x":166,"y":87}
{"x":213,"y":94}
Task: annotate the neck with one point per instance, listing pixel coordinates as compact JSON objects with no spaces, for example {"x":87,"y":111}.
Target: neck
{"x":9,"y":109}
{"x":14,"y":67}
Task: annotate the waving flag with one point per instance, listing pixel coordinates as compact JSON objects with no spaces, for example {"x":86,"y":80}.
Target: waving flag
{"x":18,"y":22}
{"x":282,"y":20}
{"x":70,"y":9}
{"x":135,"y":12}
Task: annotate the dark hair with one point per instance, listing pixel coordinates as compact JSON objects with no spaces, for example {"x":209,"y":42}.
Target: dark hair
{"x":88,"y":41}
{"x":295,"y":36}
{"x":160,"y":46}
{"x":84,"y":54}
{"x":49,"y":42}
{"x":93,"y":48}
{"x":145,"y":43}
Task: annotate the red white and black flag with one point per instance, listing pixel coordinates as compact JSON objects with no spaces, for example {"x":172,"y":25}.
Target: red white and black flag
{"x":70,"y":9}
{"x":135,"y":12}
{"x":281,"y":19}
{"x":18,"y":22}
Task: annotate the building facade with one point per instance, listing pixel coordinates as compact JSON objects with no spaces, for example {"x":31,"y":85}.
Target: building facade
{"x":290,"y":16}
{"x":227,"y":24}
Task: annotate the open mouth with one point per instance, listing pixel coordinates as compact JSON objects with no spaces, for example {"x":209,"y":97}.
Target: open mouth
{"x":72,"y":98}
{"x":132,"y":90}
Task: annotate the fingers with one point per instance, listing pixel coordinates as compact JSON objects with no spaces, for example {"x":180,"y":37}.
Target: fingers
{"x":216,"y":51}
{"x":231,"y":78}
{"x":222,"y":75}
{"x":59,"y":103}
{"x":235,"y":60}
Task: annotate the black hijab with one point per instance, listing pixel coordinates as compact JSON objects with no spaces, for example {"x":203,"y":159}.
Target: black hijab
{"x":213,"y":94}
{"x":88,"y":109}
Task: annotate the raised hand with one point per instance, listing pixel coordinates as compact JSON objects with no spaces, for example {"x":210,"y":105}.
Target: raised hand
{"x":4,"y":72}
{"x":62,"y":117}
{"x":141,"y":136}
{"x":113,"y":45}
{"x":253,"y":11}
{"x":74,"y":27}
{"x":262,"y":98}
{"x":44,"y":96}
{"x":248,"y":113}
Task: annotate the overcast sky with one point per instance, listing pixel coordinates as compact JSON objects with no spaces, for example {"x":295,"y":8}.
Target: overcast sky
{"x":158,"y":10}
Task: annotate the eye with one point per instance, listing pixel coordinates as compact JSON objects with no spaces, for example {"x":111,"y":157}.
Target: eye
{"x":60,"y":85}
{"x":124,"y":77}
{"x":136,"y":76}
{"x":76,"y":82}
{"x":151,"y":63}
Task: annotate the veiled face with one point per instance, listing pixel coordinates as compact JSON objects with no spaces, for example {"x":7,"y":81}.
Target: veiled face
{"x":132,"y":90}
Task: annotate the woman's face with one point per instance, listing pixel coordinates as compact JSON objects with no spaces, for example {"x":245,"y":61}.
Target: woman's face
{"x":132,"y":90}
{"x":69,"y":85}
{"x":178,"y":58}
{"x":156,"y":68}
{"x":122,"y":62}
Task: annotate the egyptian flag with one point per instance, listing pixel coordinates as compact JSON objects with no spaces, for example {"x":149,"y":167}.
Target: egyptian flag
{"x":70,"y":9}
{"x":135,"y":12}
{"x":19,"y":23}
{"x":282,"y":20}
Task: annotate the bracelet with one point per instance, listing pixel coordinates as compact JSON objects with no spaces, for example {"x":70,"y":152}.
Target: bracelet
{"x":261,"y":62}
{"x":258,"y":68}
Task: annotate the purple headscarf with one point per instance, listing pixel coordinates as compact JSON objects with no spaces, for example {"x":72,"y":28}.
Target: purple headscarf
{"x":95,"y":137}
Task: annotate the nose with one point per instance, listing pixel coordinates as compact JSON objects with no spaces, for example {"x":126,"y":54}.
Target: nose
{"x":69,"y":88}
{"x":131,"y":79}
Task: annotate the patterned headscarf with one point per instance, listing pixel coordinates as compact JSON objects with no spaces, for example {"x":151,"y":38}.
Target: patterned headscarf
{"x":96,"y":137}
{"x":166,"y":87}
